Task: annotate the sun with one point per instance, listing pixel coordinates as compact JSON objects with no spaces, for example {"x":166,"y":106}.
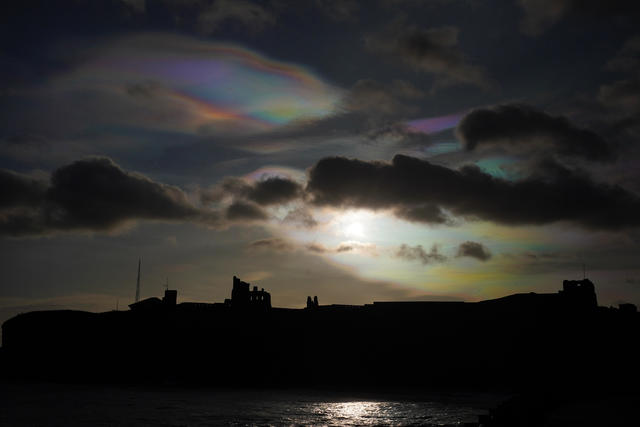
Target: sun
{"x":354,"y":229}
{"x":354,"y":225}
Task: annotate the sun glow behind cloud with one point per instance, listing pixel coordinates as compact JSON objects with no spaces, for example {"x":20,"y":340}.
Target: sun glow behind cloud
{"x":367,"y":243}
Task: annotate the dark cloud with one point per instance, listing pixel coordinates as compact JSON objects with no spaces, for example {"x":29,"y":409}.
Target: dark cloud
{"x":20,"y":190}
{"x":270,"y":191}
{"x":427,"y":213}
{"x":474,"y":250}
{"x":525,"y":128}
{"x":274,"y":191}
{"x":433,"y":50}
{"x":300,"y":217}
{"x":245,"y":211}
{"x":627,"y":58}
{"x":619,"y":101}
{"x":349,"y":246}
{"x":251,"y":16}
{"x":623,"y":96}
{"x":95,"y":194}
{"x":407,"y":182}
{"x":98,"y":194}
{"x":272,"y":244}
{"x":317,"y":248}
{"x":339,"y":10}
{"x":417,"y":253}
{"x":344,"y":248}
{"x":540,"y":15}
{"x":276,"y":244}
{"x":370,"y":96}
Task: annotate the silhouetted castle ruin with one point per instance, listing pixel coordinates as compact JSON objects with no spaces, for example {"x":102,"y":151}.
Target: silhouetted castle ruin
{"x":242,"y":297}
{"x":526,"y":338}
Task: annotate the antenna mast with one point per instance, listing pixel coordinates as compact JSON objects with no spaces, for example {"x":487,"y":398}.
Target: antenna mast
{"x":138,"y":282}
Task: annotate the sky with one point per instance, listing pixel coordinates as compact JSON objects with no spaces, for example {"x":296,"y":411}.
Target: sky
{"x":355,"y":150}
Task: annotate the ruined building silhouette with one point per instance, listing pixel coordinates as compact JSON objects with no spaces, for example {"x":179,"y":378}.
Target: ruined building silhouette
{"x":242,"y":297}
{"x":312,"y":303}
{"x":520,"y":340}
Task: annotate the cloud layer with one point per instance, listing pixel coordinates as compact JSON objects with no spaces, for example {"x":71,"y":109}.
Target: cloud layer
{"x":95,"y":194}
{"x":417,"y":186}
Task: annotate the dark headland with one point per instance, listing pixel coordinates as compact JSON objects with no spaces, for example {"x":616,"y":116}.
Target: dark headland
{"x":558,"y":345}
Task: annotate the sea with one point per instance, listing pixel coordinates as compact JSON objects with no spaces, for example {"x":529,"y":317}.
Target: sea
{"x":47,"y":404}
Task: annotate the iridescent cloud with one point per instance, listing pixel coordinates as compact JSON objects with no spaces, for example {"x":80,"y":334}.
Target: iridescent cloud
{"x":435,"y":124}
{"x":222,"y":85}
{"x":276,"y":171}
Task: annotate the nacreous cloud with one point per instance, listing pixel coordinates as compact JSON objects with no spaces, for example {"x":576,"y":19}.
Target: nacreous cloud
{"x":524,"y":128}
{"x":409,"y":184}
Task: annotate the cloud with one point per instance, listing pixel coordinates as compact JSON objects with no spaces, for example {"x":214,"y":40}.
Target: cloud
{"x":408,"y":183}
{"x":317,"y":248}
{"x":274,"y":190}
{"x":432,"y":50}
{"x":300,"y":217}
{"x":622,"y":95}
{"x":95,"y":194}
{"x":426,"y":212}
{"x":271,"y":244}
{"x":370,"y":96}
{"x":628,"y":57}
{"x":541,"y":15}
{"x":417,"y":253}
{"x":621,"y":98}
{"x":355,"y":246}
{"x":348,"y":246}
{"x":245,"y":211}
{"x":251,"y":16}
{"x":20,"y":190}
{"x":269,"y":191}
{"x":339,"y":10}
{"x":474,"y":250}
{"x":525,"y":128}
{"x":277,"y":244}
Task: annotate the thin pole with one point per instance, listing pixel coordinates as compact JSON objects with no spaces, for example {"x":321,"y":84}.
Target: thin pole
{"x":138,"y":282}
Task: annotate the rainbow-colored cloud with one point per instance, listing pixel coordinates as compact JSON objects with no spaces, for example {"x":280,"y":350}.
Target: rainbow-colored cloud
{"x":221,"y":86}
{"x":432,"y":125}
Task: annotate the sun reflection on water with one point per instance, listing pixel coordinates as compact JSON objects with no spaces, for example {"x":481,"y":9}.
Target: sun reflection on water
{"x":353,"y":410}
{"x":350,"y":413}
{"x":370,"y":413}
